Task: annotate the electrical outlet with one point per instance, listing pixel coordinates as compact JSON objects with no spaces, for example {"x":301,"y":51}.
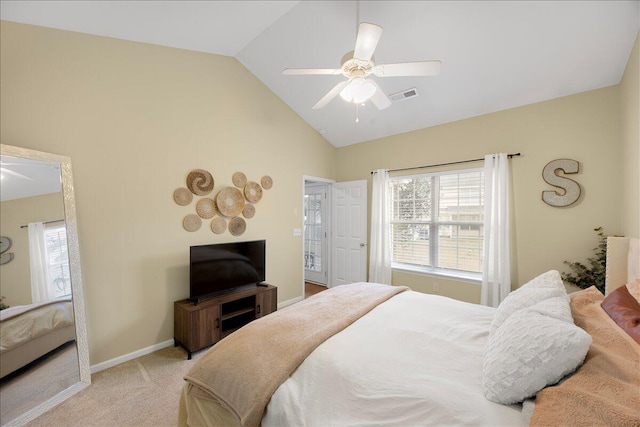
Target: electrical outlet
{"x":297,"y":232}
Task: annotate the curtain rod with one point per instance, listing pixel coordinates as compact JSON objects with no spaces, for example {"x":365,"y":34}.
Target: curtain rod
{"x":445,"y":164}
{"x":46,"y":222}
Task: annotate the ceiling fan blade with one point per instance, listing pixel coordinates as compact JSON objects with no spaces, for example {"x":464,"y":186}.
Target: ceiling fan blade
{"x":367,"y":40}
{"x":379,"y":98}
{"x":16,"y":174}
{"x":330,"y":95}
{"x":422,"y":68}
{"x":308,"y":71}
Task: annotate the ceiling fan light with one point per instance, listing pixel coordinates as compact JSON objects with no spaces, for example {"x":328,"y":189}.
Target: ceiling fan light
{"x":358,"y":90}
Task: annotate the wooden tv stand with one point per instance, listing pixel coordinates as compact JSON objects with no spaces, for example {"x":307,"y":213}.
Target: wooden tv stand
{"x":197,"y":326}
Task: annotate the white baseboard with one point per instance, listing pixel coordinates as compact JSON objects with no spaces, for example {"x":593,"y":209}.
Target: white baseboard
{"x":289,"y":302}
{"x":125,"y":358}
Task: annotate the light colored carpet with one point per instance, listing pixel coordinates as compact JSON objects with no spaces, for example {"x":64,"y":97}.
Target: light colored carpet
{"x":141,"y":392}
{"x":25,"y":389}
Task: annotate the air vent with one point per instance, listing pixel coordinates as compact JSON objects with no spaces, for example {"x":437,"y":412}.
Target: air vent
{"x":405,"y":94}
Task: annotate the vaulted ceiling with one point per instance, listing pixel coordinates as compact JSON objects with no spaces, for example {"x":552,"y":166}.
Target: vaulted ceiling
{"x":495,"y":54}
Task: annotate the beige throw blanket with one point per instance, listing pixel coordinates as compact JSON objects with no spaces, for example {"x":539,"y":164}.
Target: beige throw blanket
{"x":243,"y":370}
{"x":605,"y":390}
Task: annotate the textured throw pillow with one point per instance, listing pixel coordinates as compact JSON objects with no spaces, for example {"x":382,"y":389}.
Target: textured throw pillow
{"x":528,"y":352}
{"x":624,"y":309}
{"x":555,"y":307}
{"x":545,"y":286}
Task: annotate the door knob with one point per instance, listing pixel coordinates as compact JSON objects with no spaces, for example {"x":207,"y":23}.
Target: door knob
{"x":362,"y":245}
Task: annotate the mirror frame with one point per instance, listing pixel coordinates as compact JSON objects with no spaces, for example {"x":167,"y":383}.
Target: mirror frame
{"x":76,"y":279}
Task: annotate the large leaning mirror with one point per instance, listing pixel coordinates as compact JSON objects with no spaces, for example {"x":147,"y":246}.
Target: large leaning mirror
{"x":44,"y":355}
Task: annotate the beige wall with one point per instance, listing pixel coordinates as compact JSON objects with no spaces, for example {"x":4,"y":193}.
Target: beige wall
{"x":584,"y":127}
{"x":630,"y":112}
{"x":135,"y":119}
{"x":15,"y":276}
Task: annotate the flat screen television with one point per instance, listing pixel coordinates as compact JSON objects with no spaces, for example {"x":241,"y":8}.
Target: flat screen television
{"x":219,"y":267}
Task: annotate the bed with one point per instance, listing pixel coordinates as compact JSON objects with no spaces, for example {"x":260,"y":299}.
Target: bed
{"x":28,"y":332}
{"x":385,"y":355}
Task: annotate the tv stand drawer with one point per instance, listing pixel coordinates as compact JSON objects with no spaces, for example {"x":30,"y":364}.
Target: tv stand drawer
{"x":197,"y":326}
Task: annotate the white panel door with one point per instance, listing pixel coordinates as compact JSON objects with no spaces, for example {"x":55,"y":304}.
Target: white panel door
{"x":349,"y":236}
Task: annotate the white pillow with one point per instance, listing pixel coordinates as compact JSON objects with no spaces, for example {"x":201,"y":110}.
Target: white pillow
{"x":545,"y":286}
{"x":528,"y":352}
{"x":556,"y":307}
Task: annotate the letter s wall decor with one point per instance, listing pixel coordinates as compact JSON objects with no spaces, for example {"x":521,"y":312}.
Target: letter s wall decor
{"x":571,"y":188}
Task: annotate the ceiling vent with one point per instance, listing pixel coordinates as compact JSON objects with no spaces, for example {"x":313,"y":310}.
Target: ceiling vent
{"x":405,"y":94}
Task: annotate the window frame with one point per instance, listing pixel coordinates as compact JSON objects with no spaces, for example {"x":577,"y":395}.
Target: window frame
{"x":433,"y":225}
{"x":65,"y":267}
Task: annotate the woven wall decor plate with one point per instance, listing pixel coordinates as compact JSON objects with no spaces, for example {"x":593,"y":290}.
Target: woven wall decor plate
{"x":266,"y":182}
{"x":230,"y":202}
{"x":237,"y":226}
{"x":191,"y":222}
{"x":200,"y":182}
{"x":249,"y":211}
{"x":206,"y":208}
{"x":239,"y":179}
{"x":182,"y":196}
{"x":218,"y":225}
{"x":253,"y":192}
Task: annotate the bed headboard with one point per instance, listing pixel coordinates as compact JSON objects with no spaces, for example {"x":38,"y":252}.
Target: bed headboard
{"x":623,"y":262}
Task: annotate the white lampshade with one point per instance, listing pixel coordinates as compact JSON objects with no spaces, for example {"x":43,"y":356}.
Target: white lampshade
{"x":358,"y":90}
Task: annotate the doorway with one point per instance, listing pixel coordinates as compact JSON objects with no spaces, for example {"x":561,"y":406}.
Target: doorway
{"x":334,"y":241}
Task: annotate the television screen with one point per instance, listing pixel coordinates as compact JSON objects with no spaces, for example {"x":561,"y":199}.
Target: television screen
{"x":218,"y":267}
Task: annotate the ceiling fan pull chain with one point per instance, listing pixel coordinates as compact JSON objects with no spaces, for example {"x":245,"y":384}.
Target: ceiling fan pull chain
{"x":357,"y":113}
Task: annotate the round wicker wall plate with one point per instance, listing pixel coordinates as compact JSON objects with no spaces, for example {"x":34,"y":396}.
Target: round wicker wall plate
{"x":230,"y":202}
{"x":192,"y":222}
{"x":239,"y":179}
{"x":249,"y":211}
{"x":237,"y":226}
{"x":206,"y":208}
{"x":266,"y":182}
{"x":182,"y":196}
{"x":218,"y":225}
{"x":200,"y":182}
{"x":253,"y":192}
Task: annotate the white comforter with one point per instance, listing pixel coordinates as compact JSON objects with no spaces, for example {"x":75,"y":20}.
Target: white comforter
{"x":414,"y":360}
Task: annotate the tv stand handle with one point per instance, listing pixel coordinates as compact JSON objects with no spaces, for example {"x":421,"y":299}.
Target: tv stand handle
{"x":217,"y":323}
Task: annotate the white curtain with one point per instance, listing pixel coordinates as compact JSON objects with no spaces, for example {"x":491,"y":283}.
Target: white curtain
{"x":496,"y":276}
{"x":39,"y":264}
{"x":380,"y":249}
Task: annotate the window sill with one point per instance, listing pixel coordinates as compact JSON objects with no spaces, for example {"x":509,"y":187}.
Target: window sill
{"x":462,"y":276}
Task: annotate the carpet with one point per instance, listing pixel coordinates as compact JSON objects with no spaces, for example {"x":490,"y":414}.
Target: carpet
{"x":37,"y":382}
{"x":141,"y":392}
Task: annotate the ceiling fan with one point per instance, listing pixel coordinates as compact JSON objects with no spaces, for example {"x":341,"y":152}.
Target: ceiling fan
{"x":7,"y":171}
{"x":7,"y":168}
{"x":358,"y":65}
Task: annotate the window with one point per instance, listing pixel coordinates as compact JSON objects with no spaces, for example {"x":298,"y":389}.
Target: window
{"x":313,"y":232}
{"x":58,"y":259}
{"x":437,"y":222}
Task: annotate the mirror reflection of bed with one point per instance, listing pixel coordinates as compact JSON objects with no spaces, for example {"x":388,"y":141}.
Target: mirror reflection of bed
{"x":39,"y":359}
